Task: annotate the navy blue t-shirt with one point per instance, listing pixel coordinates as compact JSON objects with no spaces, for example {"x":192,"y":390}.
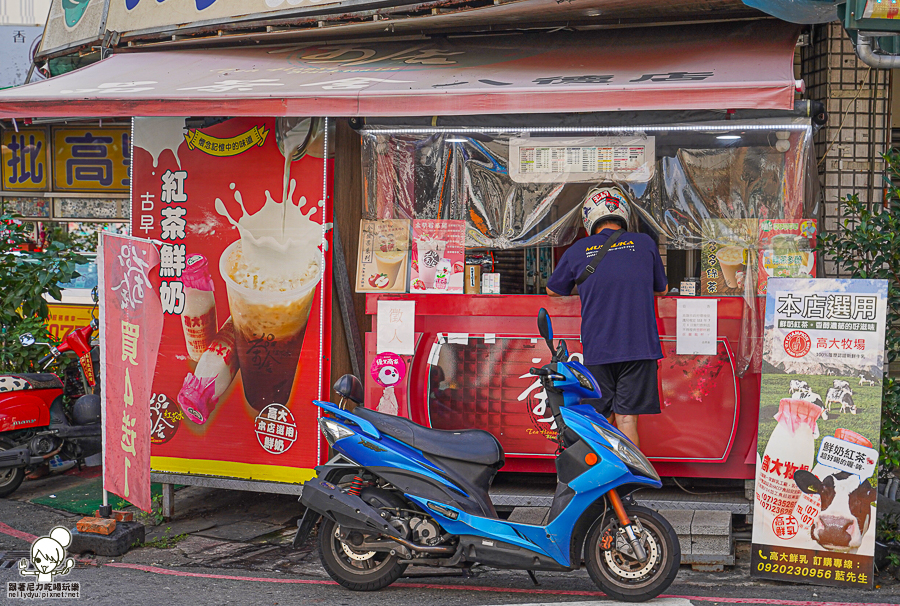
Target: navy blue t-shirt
{"x":618,"y":322}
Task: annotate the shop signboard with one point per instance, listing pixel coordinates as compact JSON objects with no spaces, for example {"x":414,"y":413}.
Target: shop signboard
{"x":819,"y":426}
{"x":73,"y":23}
{"x":91,"y":159}
{"x":130,"y":326}
{"x":17,"y":47}
{"x":244,"y":281}
{"x":64,"y":318}
{"x":25,"y":160}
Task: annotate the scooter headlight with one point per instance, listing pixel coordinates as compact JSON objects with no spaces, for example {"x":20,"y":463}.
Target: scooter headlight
{"x":628,"y":453}
{"x":583,"y":380}
{"x":333,"y":431}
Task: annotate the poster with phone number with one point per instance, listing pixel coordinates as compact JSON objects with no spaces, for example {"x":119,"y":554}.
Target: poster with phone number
{"x":242,"y":215}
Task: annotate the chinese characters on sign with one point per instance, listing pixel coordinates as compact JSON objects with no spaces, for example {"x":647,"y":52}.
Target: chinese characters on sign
{"x":172,"y":255}
{"x":696,"y":327}
{"x":91,"y":159}
{"x":823,"y":360}
{"x":25,"y":165}
{"x":581,"y":159}
{"x":396,"y":327}
{"x":132,"y":325}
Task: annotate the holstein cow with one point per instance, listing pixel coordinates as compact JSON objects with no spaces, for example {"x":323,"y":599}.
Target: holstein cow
{"x":864,"y":381}
{"x":846,"y":509}
{"x":804,"y":392}
{"x":839,"y":384}
{"x":842,"y":396}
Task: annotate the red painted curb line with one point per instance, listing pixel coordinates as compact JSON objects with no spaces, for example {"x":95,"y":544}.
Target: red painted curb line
{"x":17,"y":533}
{"x":181,"y":573}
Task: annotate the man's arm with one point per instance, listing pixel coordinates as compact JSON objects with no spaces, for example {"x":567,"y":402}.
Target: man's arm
{"x":661,"y":293}
{"x":553,"y":293}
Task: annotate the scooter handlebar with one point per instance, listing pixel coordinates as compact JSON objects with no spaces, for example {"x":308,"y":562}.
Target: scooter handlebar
{"x":45,"y":359}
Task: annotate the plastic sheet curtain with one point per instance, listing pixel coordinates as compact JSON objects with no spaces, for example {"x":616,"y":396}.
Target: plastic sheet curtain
{"x":701,"y":187}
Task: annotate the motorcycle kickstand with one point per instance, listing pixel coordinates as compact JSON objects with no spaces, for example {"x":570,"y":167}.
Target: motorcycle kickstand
{"x":533,"y":578}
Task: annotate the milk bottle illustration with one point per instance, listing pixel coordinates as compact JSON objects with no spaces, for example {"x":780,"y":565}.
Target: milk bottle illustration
{"x":791,"y":447}
{"x":199,"y":317}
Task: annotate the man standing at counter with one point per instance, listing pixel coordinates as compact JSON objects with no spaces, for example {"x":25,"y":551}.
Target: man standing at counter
{"x":618,"y":320}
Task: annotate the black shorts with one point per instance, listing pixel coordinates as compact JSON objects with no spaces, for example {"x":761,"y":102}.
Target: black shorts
{"x":627,"y":388}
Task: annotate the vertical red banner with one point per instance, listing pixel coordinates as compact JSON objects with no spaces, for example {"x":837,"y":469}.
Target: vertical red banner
{"x":130,"y":335}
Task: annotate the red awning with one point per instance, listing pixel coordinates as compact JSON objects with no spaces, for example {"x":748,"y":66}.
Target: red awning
{"x":746,"y":65}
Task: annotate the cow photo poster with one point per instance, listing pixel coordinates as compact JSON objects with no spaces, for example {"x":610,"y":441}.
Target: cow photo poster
{"x":242,"y":215}
{"x":819,"y":426}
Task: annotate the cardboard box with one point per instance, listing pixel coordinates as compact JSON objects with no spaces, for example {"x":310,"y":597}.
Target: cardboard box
{"x":383,"y":261}
{"x":472,"y":280}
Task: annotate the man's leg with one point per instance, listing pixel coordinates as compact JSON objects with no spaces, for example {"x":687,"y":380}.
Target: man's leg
{"x":627,"y":424}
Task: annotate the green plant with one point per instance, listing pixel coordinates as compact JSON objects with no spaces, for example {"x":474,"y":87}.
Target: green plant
{"x":154,"y":517}
{"x":25,"y":277}
{"x":166,"y":541}
{"x":867,"y":245}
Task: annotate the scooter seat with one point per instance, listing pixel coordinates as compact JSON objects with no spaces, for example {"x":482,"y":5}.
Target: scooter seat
{"x":30,"y":380}
{"x":473,"y":445}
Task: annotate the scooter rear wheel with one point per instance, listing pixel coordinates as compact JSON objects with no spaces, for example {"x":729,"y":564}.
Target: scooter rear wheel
{"x":10,"y":480}
{"x":623,"y":577}
{"x":356,"y":570}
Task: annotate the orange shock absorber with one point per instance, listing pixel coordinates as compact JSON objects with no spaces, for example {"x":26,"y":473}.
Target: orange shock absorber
{"x":618,"y":507}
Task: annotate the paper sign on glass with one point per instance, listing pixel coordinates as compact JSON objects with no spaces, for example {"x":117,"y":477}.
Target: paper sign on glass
{"x":396,"y":327}
{"x":696,"y":327}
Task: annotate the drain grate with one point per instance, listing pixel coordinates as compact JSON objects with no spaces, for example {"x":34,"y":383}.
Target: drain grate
{"x":10,"y":559}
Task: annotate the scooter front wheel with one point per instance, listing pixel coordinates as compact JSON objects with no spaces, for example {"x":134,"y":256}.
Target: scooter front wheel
{"x":617,"y":572}
{"x":355,"y":569}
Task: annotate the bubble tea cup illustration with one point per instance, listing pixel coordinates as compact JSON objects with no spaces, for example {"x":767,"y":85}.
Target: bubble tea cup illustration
{"x":731,"y":260}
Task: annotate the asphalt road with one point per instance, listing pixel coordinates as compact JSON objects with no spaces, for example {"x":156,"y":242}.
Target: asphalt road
{"x":154,"y":576}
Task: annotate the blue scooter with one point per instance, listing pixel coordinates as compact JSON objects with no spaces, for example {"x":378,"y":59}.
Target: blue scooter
{"x":399,"y":494}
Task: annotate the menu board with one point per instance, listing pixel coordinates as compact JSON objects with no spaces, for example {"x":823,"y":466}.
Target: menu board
{"x":383,"y":256}
{"x":438,"y":256}
{"x":581,"y":159}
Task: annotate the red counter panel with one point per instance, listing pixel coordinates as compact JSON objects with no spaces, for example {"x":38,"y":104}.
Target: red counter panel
{"x":477,"y":377}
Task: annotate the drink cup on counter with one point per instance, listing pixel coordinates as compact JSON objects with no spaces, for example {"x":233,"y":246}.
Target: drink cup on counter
{"x":270,"y":318}
{"x":198,"y":320}
{"x":731,"y":260}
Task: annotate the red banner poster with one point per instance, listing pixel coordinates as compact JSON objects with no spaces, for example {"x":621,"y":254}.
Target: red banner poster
{"x":132,"y":322}
{"x":242,"y":208}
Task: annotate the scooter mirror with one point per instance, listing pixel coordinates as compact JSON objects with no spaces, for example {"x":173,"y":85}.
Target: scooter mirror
{"x":26,"y":339}
{"x":94,"y":296}
{"x":545,"y":328}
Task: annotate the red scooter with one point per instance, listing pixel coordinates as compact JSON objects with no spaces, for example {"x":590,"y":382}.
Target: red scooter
{"x":34,"y":422}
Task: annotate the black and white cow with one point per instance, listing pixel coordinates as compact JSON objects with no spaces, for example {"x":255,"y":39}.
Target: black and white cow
{"x":839,"y":384}
{"x":798,"y":386}
{"x":840,"y":395}
{"x":846,"y":509}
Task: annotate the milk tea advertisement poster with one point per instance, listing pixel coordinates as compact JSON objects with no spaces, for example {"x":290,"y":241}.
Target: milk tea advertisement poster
{"x":241,"y":209}
{"x":819,"y":426}
{"x":438,"y":256}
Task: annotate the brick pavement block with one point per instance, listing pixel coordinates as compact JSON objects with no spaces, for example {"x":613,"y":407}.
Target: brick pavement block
{"x":102,"y":526}
{"x":124,"y":537}
{"x":681,"y":520}
{"x":118,"y":516}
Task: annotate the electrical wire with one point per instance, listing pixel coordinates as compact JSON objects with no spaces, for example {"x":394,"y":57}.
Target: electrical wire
{"x":844,"y":118}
